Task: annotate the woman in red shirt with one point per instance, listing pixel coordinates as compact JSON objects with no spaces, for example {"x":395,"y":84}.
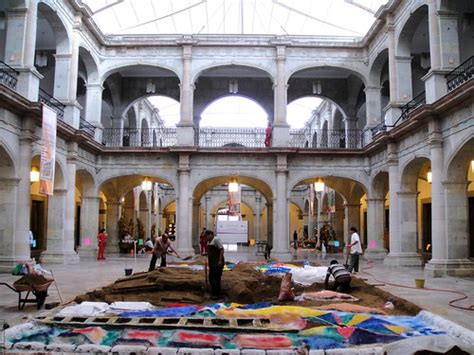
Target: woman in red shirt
{"x":101,"y":238}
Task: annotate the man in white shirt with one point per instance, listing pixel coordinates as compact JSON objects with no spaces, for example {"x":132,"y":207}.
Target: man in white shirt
{"x":355,"y":249}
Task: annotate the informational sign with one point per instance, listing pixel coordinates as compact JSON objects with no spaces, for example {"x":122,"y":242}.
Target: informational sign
{"x":231,"y":232}
{"x":48,"y":151}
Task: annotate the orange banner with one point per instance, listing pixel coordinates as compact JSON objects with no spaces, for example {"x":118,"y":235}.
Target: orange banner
{"x":48,"y":151}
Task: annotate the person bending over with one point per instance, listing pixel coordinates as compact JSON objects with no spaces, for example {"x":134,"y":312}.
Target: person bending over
{"x":160,"y":249}
{"x":341,"y":276}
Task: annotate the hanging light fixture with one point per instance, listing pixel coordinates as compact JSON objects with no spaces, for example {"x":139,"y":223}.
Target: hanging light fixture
{"x":233,"y":186}
{"x":146,"y":184}
{"x":233,"y":86}
{"x":319,"y":186}
{"x":150,"y":87}
{"x":429,"y":176}
{"x":34,"y":174}
{"x":317,"y":87}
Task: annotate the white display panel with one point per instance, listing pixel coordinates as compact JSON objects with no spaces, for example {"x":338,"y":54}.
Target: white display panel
{"x":232,"y":231}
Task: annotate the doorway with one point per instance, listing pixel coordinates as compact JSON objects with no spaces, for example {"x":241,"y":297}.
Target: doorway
{"x":38,"y":227}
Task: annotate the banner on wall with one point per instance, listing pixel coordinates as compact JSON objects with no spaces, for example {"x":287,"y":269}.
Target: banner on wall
{"x":233,"y":201}
{"x":136,"y":198}
{"x":48,"y":151}
{"x":311,"y":200}
{"x":155,"y":199}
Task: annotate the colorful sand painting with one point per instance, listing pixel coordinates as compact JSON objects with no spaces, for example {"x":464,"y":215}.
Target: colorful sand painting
{"x":316,"y":328}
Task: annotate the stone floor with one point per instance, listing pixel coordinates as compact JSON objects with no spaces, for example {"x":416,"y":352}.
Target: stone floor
{"x":90,"y":274}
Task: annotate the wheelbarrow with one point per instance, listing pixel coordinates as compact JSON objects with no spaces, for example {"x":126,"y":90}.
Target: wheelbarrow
{"x":39,"y":291}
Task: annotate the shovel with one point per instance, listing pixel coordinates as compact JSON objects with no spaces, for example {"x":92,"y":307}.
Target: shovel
{"x":179,"y":257}
{"x":346,"y":264}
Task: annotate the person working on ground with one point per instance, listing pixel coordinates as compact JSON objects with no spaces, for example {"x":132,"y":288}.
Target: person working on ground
{"x":160,"y":249}
{"x":355,"y":249}
{"x":295,"y":240}
{"x":342,"y":278}
{"x":215,"y":255}
{"x":268,"y":251}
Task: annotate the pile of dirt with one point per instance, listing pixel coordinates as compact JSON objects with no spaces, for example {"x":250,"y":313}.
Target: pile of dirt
{"x":242,"y":284}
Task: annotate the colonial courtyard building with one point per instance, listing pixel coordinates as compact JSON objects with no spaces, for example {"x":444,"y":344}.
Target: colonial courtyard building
{"x":392,"y":141}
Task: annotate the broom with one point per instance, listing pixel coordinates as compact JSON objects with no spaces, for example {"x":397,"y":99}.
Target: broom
{"x":346,"y":264}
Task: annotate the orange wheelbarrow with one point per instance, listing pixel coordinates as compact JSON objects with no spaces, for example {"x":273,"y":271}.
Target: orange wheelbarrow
{"x":39,"y":291}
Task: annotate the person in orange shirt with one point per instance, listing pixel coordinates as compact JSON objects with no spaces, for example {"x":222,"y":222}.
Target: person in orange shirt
{"x":102,"y":239}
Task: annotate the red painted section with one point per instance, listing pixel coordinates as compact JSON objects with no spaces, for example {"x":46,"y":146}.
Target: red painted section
{"x":261,"y":341}
{"x":346,"y":332}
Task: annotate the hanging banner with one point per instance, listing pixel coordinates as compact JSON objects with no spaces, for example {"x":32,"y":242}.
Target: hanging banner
{"x":136,"y":198}
{"x":311,"y":200}
{"x":331,"y":201}
{"x":155,"y":199}
{"x":233,"y":201}
{"x":48,"y":151}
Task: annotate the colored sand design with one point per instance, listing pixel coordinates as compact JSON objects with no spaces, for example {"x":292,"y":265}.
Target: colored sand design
{"x":315,"y":328}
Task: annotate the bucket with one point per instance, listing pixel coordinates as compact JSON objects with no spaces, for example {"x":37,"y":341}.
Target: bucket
{"x":128,"y":272}
{"x":420,"y":283}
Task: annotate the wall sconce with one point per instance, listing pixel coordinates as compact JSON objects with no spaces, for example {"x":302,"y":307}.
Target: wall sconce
{"x":150,"y":87}
{"x":319,"y":186}
{"x":317,"y":88}
{"x":472,"y":166}
{"x":233,"y":186}
{"x":146,"y":184}
{"x":233,"y":86}
{"x":429,"y":176}
{"x":41,"y":60}
{"x":34,"y":174}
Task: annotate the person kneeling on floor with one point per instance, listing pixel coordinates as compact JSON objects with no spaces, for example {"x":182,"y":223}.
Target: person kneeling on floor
{"x":341,"y":276}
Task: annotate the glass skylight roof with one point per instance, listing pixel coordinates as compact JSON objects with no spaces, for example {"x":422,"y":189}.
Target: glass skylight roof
{"x":252,"y":17}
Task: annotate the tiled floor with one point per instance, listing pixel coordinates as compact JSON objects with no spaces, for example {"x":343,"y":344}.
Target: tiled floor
{"x":90,"y":274}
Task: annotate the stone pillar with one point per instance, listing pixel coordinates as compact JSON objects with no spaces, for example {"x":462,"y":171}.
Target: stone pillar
{"x":196,"y":227}
{"x":351,"y":138}
{"x":70,"y":211}
{"x":372,"y":106}
{"x":257,"y":217}
{"x":113,"y":208}
{"x":444,"y":51}
{"x":186,"y":125}
{"x":281,"y":129}
{"x":375,"y":230}
{"x":281,"y":232}
{"x":89,"y":224}
{"x":94,"y":108}
{"x":16,"y":204}
{"x":404,"y":79}
{"x":61,"y":76}
{"x":20,"y":45}
{"x":183,"y":211}
{"x":208,"y":219}
{"x":352,"y":219}
{"x":148,"y":215}
{"x":270,"y":222}
{"x":311,"y":225}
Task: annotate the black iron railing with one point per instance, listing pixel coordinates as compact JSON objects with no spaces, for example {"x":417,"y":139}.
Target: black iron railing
{"x":231,"y":137}
{"x":140,"y":137}
{"x":8,"y":75}
{"x":460,"y":74}
{"x":86,"y":127}
{"x":381,"y":127}
{"x":329,"y":139}
{"x":418,"y":100}
{"x":53,"y":103}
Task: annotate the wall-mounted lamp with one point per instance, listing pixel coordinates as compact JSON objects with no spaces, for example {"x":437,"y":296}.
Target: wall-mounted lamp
{"x":317,"y":89}
{"x":233,"y":86}
{"x":150,"y":87}
{"x":233,"y":186}
{"x":429,"y":176}
{"x":34,"y":175}
{"x":319,"y":186}
{"x":472,"y":166}
{"x":146,"y":184}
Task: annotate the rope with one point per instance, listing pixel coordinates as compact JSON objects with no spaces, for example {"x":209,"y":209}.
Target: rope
{"x":450,"y":303}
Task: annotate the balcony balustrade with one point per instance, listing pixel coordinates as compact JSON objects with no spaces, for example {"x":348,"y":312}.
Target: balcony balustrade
{"x":86,"y":127}
{"x":48,"y":99}
{"x":458,"y":76}
{"x":327,"y":139}
{"x":140,"y":137}
{"x":8,"y":75}
{"x":231,"y":137}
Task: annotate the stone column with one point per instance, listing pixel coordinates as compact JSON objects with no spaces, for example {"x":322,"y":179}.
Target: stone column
{"x":352,"y":219}
{"x":373,"y":106}
{"x":183,"y":211}
{"x":196,"y":227}
{"x":15,"y":245}
{"x":257,"y":217}
{"x":351,"y":138}
{"x":270,"y":238}
{"x":70,"y":211}
{"x":281,"y":233}
{"x":375,"y":230}
{"x":404,"y":77}
{"x":148,"y":215}
{"x":208,"y":220}
{"x":311,"y":224}
{"x":186,"y":125}
{"x":113,"y":208}
{"x":94,"y":108}
{"x":20,"y":45}
{"x":444,"y":51}
{"x":55,"y":252}
{"x":392,"y":110}
{"x":89,"y":224}
{"x":281,"y":129}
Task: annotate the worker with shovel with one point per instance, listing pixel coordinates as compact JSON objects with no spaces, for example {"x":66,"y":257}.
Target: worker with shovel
{"x":215,"y":254}
{"x":161,"y":248}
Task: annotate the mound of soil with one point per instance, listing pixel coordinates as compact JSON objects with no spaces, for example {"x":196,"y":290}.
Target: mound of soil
{"x":243,"y":284}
